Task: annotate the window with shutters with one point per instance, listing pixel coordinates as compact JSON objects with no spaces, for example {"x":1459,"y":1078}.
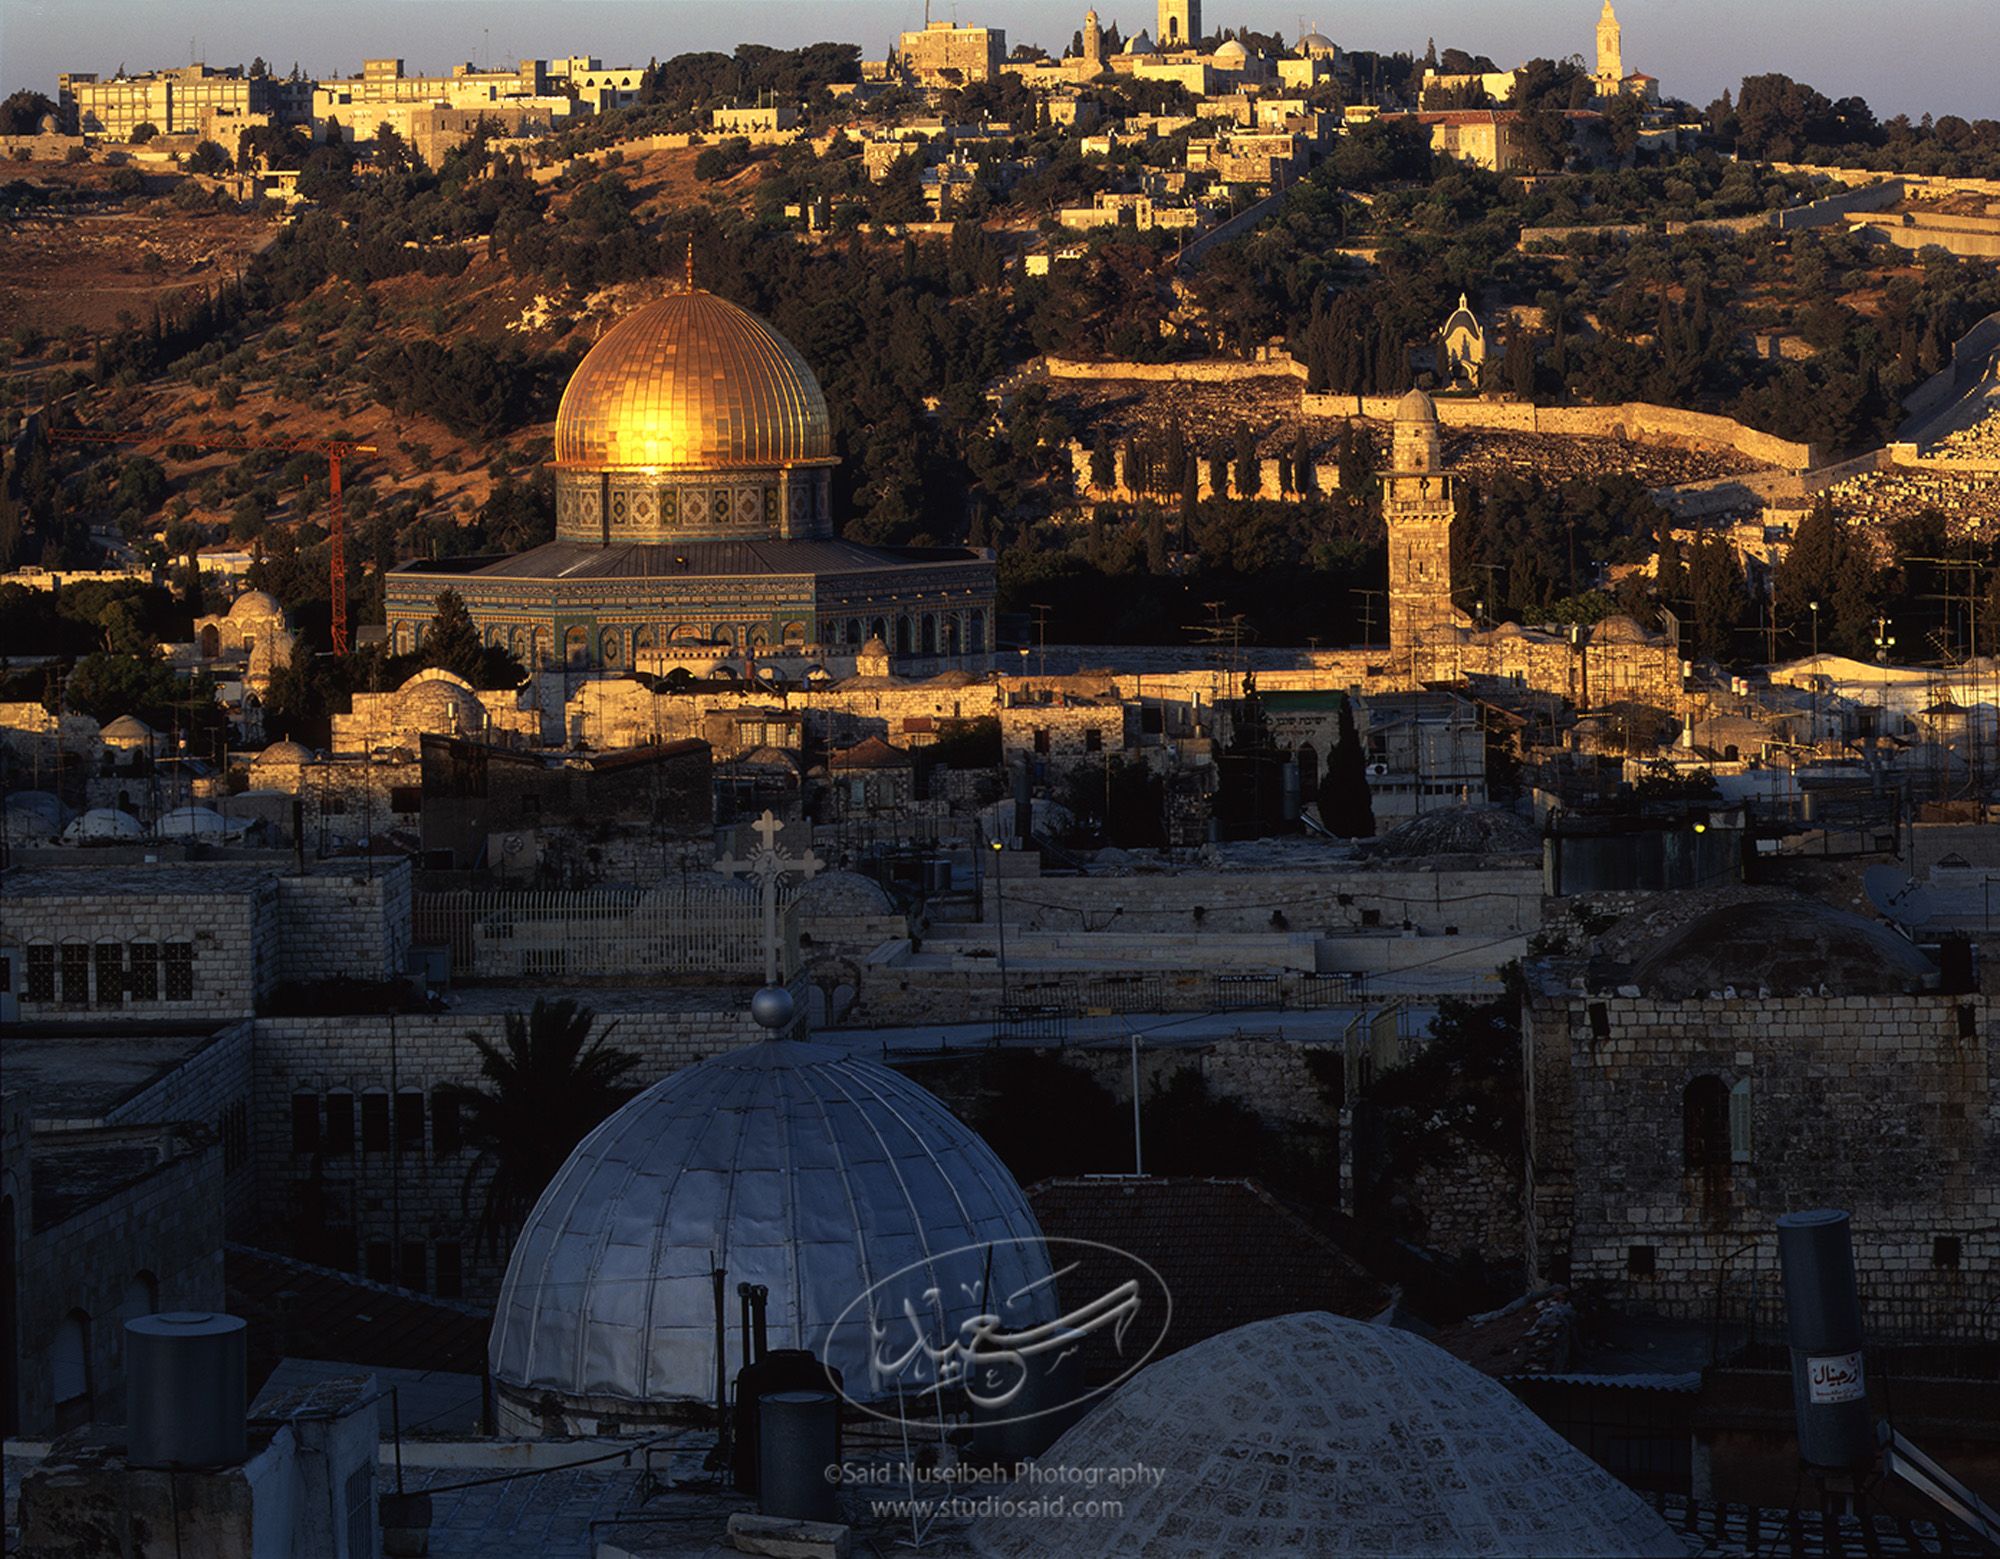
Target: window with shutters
{"x":409,"y":1121}
{"x":1739,"y":1122}
{"x":305,"y":1123}
{"x":374,"y":1123}
{"x":41,"y":971}
{"x":340,"y":1123}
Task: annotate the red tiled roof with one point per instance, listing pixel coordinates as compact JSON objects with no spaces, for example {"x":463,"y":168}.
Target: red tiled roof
{"x":872,"y":753}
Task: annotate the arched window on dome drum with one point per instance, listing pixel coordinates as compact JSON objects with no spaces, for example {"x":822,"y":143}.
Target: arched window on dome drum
{"x":795,"y":635}
{"x":576,"y":647}
{"x":878,"y":628}
{"x":496,"y":637}
{"x":687,"y":633}
{"x":405,"y":638}
{"x":517,"y":641}
{"x":611,"y":645}
{"x":904,"y":636}
{"x":760,"y":637}
{"x":644,"y":641}
{"x":951,"y":644}
{"x":723,"y":634}
{"x":930,"y":633}
{"x":854,"y":632}
{"x":538,"y":648}
{"x":975,"y":638}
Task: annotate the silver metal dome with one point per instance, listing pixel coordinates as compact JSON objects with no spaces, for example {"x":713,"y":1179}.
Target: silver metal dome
{"x":824,"y":1177}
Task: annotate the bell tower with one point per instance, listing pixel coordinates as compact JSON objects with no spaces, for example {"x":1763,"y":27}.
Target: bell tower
{"x":1093,"y":45}
{"x":1180,"y":25}
{"x":1610,"y":50}
{"x":1417,"y":508}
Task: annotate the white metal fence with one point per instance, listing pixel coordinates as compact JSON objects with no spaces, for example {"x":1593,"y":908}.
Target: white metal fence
{"x":608,"y":932}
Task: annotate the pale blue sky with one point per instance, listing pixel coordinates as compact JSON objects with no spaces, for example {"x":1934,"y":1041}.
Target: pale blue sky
{"x":1913,"y":56}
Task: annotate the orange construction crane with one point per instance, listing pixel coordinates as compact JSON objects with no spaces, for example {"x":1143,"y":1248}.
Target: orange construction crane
{"x":335,"y":451}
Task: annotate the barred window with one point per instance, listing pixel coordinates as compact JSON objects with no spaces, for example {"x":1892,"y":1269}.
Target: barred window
{"x":142,"y":979}
{"x":76,"y":974}
{"x":180,"y":971}
{"x":110,"y":974}
{"x":42,"y":972}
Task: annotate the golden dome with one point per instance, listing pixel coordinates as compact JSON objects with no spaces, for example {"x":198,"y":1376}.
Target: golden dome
{"x":691,"y":382}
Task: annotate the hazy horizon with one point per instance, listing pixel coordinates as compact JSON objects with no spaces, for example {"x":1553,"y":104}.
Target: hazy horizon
{"x":1942,"y":62}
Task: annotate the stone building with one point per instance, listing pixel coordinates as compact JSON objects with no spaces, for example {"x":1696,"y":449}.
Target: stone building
{"x":945,"y":54}
{"x":486,"y":806}
{"x":97,"y":1225}
{"x":185,"y":101}
{"x":253,"y":631}
{"x":872,"y":779}
{"x":694,"y":464}
{"x":433,"y":703}
{"x":1765,"y":1057}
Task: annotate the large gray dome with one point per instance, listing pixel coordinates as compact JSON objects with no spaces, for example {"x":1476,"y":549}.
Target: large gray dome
{"x":794,"y":1165}
{"x":1311,"y":1433}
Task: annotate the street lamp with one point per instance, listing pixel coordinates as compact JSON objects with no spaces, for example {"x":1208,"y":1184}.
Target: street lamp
{"x":1000,"y":916}
{"x":1813,"y":607}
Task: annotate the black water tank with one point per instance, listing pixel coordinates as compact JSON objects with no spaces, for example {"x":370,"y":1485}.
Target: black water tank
{"x":782,"y":1369}
{"x":1823,"y":1322}
{"x":798,"y":1455}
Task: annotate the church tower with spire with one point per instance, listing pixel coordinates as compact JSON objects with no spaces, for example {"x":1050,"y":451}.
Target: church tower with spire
{"x":1610,"y":51}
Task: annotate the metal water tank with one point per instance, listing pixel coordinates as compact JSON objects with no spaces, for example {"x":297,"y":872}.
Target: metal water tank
{"x":798,"y":1455}
{"x":184,"y":1402}
{"x":1823,"y":1323}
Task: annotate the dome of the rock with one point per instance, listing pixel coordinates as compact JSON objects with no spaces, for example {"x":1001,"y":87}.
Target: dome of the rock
{"x":691,"y":382}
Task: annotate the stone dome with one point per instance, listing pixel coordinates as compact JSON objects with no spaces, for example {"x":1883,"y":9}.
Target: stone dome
{"x":827,"y":1178}
{"x":1231,"y":52}
{"x":1785,"y":946}
{"x":1416,"y":407}
{"x":103,"y":823}
{"x":1139,"y":43}
{"x":1618,"y":629}
{"x":439,"y":703}
{"x":1316,"y":45}
{"x":691,"y":382}
{"x":128,"y":728}
{"x":285,"y":752}
{"x":255,"y":603}
{"x":1313,"y":1432}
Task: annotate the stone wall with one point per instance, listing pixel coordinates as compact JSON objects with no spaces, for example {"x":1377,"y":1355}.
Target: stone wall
{"x":415,"y":1195}
{"x":347,"y":924}
{"x":1472,"y":1205}
{"x":214,"y":1089}
{"x":166,"y":1226}
{"x":1885,"y":1106}
{"x":1204,"y":371}
{"x":1330,"y":900}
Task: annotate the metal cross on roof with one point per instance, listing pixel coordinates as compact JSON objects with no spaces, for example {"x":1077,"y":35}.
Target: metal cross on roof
{"x":767,"y":864}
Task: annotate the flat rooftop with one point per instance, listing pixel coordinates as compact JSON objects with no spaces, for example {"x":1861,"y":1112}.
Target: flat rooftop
{"x":188,"y":879}
{"x":80,"y":1078}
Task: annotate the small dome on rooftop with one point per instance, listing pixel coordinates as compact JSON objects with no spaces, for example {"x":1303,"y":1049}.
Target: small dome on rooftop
{"x":1232,"y":53}
{"x":285,"y":752}
{"x":128,"y":728}
{"x":1784,"y":945}
{"x":255,"y":603}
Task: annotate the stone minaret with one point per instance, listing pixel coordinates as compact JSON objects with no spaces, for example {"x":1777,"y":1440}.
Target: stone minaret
{"x":1093,"y":44}
{"x":1180,"y":24}
{"x":1610,"y":50}
{"x":1417,"y":508}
